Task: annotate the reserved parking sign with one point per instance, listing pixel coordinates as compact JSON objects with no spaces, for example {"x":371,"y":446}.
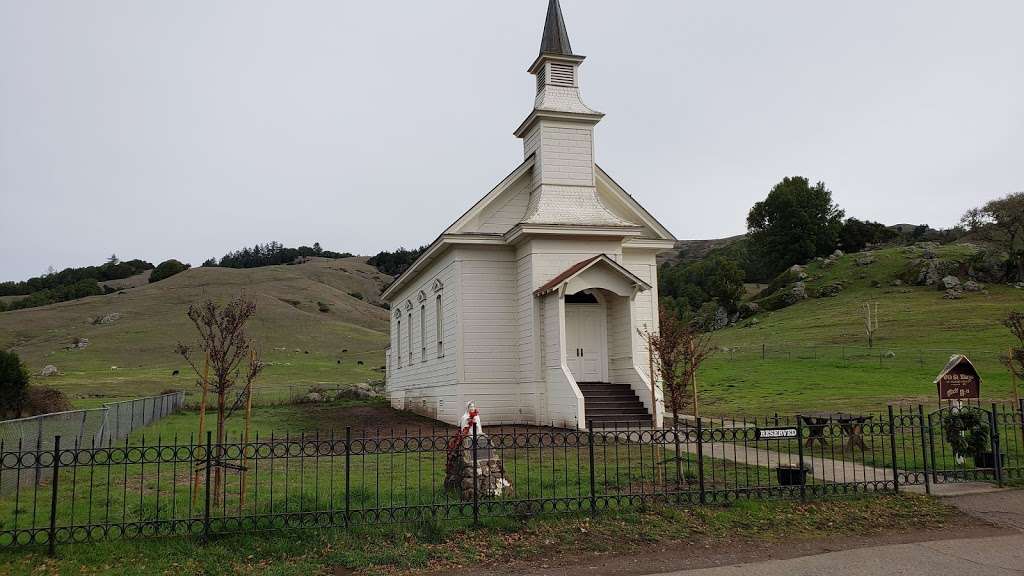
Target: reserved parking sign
{"x":775,"y":433}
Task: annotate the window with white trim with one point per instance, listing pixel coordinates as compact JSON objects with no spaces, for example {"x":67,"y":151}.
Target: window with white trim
{"x":410,"y":338}
{"x":398,"y":344}
{"x":439,"y":313}
{"x":423,"y":332}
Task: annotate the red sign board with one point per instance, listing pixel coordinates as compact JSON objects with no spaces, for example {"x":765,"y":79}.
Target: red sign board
{"x":959,"y":381}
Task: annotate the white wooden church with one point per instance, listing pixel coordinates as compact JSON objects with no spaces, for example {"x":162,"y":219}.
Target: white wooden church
{"x":529,"y":304}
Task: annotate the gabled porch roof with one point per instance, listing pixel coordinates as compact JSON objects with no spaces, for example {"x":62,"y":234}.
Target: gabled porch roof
{"x":580,"y":267}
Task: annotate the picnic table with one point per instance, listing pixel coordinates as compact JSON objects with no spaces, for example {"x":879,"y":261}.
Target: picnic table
{"x":852,"y":426}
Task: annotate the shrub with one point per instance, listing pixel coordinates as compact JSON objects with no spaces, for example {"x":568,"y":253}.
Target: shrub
{"x":967,"y":431}
{"x":13,"y":383}
{"x":166,"y":269}
{"x":45,"y":400}
{"x":323,"y":307}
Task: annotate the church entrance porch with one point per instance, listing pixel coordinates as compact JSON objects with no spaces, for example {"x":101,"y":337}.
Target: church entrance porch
{"x":586,"y":338}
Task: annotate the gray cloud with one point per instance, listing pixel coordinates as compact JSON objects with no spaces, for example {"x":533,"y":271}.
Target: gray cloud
{"x":185,"y":129}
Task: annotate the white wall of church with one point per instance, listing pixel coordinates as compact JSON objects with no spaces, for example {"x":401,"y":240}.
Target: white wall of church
{"x":426,"y":383}
{"x":490,"y":366}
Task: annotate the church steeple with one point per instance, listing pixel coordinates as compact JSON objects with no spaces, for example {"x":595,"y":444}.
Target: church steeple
{"x":555,"y":39}
{"x":559,"y":134}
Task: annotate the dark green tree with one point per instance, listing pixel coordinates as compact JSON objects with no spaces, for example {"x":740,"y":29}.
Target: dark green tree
{"x":166,"y":269}
{"x":855,"y":234}
{"x":13,"y":384}
{"x":794,"y":224}
{"x":1001,"y":221}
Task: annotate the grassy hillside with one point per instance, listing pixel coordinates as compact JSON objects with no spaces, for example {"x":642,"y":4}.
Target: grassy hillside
{"x":814,"y":355}
{"x":134,"y":355}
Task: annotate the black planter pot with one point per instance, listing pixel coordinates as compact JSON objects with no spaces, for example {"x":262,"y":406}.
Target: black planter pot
{"x":988,"y":460}
{"x":791,"y":475}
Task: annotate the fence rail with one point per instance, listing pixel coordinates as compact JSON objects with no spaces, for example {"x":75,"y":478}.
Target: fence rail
{"x":109,"y":423}
{"x":339,"y":479}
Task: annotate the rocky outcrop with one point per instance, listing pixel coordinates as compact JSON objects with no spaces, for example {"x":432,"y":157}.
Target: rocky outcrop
{"x":49,"y":370}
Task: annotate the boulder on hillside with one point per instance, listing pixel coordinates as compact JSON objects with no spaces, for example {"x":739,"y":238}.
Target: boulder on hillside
{"x":830,"y":290}
{"x":107,"y":318}
{"x":950,"y":283}
{"x":972,"y":286}
{"x":953,"y":294}
{"x":929,"y":272}
{"x":988,"y":266}
{"x":748,"y":309}
{"x":866,"y":260}
{"x":49,"y":370}
{"x":837,"y":254}
{"x":798,"y":271}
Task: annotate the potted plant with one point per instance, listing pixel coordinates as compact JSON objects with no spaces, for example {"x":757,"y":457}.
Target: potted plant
{"x":968,"y":434}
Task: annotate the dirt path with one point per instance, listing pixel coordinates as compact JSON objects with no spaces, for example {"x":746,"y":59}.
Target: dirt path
{"x":984,"y":540}
{"x":687,"y":556}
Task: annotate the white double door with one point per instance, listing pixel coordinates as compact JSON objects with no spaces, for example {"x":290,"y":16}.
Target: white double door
{"x":586,"y":339}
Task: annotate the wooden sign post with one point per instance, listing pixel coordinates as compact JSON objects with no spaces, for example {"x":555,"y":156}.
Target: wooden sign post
{"x":959,"y":380}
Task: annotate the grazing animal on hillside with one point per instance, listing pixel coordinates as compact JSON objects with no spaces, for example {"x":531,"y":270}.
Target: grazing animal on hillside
{"x":360,"y":362}
{"x":175,"y":373}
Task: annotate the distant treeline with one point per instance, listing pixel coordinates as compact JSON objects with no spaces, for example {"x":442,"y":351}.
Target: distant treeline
{"x":68,"y":284}
{"x":271,"y":254}
{"x":394,"y":263}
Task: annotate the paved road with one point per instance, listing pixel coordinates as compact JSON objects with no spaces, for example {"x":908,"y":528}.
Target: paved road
{"x":997,"y":556}
{"x":989,"y":556}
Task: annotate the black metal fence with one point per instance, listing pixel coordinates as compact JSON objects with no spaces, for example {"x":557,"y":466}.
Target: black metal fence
{"x":125,"y":490}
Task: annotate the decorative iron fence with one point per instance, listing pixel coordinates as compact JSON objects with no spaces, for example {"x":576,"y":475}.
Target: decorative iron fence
{"x":109,"y":423}
{"x":112,"y":490}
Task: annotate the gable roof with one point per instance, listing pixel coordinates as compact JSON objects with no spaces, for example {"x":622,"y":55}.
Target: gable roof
{"x":954,"y":361}
{"x":642,"y":215}
{"x":580,"y":267}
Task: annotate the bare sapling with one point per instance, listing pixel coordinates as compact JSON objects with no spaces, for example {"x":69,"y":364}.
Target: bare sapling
{"x":871,"y":323}
{"x":233,"y":359}
{"x":1015,"y":355}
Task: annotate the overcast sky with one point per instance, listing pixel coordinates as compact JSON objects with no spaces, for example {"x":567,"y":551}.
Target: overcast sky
{"x":184,"y":129}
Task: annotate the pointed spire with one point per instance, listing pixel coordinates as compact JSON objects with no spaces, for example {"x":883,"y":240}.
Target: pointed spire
{"x":556,"y":39}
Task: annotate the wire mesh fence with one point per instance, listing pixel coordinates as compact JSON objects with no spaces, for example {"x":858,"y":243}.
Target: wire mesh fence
{"x":880,"y":354}
{"x":178,"y":486}
{"x":111,"y":422}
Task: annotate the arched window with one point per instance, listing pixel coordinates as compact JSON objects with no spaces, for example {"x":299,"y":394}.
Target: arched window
{"x":439,"y":316}
{"x":423,"y":332}
{"x":410,"y":338}
{"x":398,"y":344}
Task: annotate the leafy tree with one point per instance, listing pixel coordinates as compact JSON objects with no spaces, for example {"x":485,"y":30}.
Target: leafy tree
{"x":14,"y":382}
{"x":795,"y":223}
{"x":166,"y":269}
{"x":273,"y":254}
{"x":685,"y":287}
{"x":394,"y":263}
{"x":1001,"y":221}
{"x":856,"y":234}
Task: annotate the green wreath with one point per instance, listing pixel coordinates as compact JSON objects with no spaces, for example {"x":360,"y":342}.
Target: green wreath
{"x":967,"y":431}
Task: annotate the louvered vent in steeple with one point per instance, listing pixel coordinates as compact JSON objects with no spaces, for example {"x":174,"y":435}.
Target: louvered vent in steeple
{"x":541,"y":78}
{"x":563,"y":74}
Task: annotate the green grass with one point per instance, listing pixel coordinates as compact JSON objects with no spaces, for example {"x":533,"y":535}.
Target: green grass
{"x":401,"y":548}
{"x":817,"y":356}
{"x":300,"y":476}
{"x":135,"y":356}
